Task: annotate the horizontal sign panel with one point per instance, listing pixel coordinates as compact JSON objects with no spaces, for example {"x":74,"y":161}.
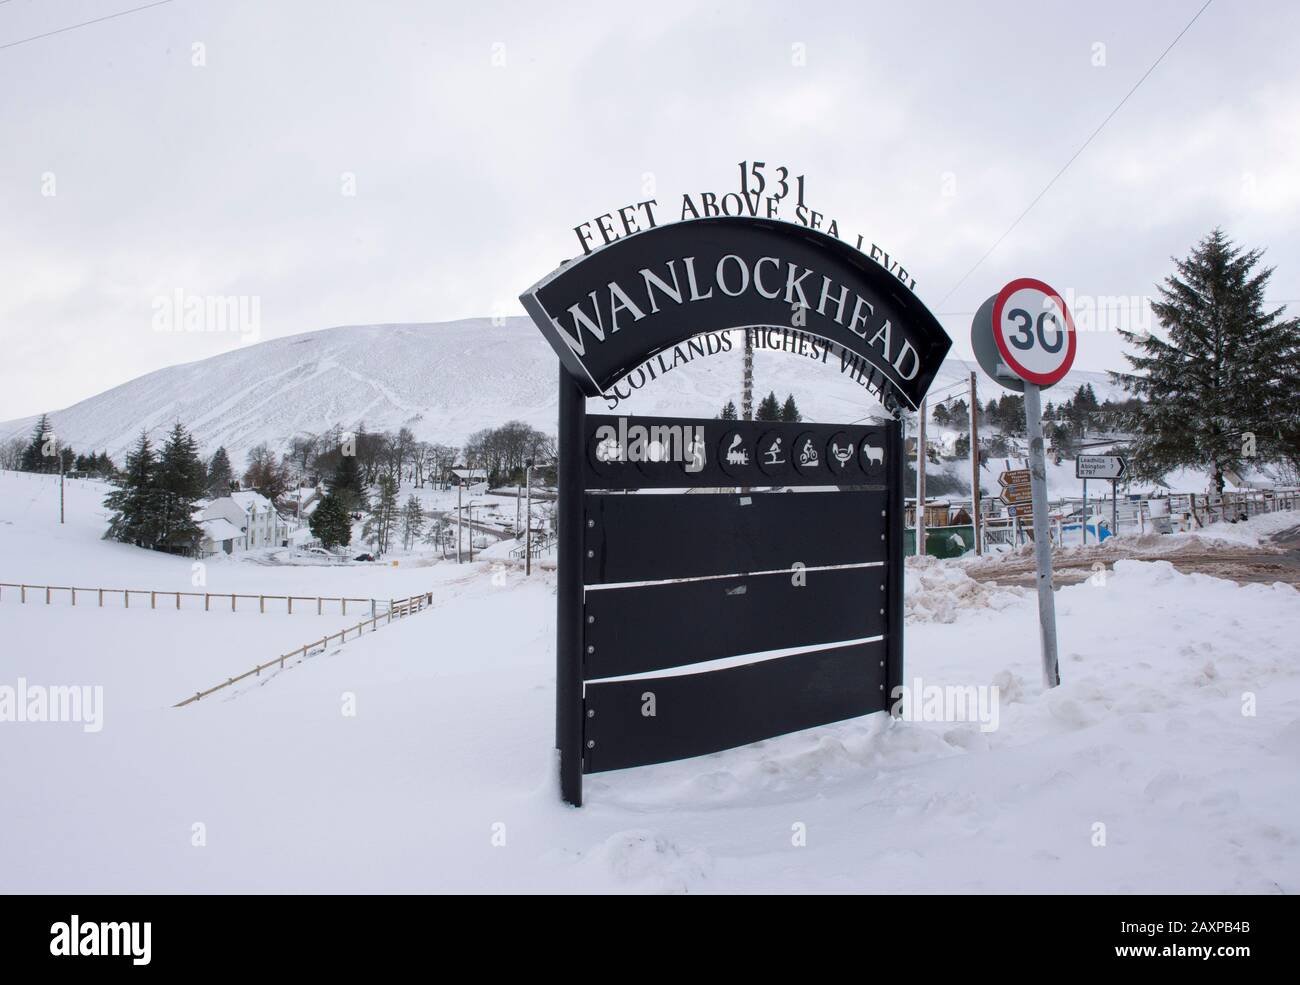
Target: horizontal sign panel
{"x":1016,"y":494}
{"x":1099,"y":467}
{"x":652,"y":536}
{"x":684,"y":452}
{"x":606,"y":313}
{"x":653,"y":720}
{"x":671,"y":624}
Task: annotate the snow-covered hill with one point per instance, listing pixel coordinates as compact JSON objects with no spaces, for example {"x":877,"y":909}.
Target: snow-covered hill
{"x":443,"y":381}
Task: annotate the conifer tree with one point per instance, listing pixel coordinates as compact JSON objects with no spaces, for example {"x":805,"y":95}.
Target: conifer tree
{"x":790,"y":410}
{"x":769,"y":409}
{"x":179,"y":483}
{"x":331,"y":523}
{"x":412,"y":521}
{"x":346,"y":484}
{"x":41,"y":453}
{"x":220,"y":474}
{"x":1222,"y":391}
{"x":134,"y":519}
{"x":378,"y":529}
{"x":728,"y":412}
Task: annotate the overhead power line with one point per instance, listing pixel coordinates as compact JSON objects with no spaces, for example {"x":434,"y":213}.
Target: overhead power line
{"x":73,"y":27}
{"x":1075,"y":155}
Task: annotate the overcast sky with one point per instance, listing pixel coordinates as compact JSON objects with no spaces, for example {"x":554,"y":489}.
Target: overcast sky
{"x":479,"y":134}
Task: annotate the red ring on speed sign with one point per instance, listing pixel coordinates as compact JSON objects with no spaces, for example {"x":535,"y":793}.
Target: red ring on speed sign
{"x":1016,"y":366}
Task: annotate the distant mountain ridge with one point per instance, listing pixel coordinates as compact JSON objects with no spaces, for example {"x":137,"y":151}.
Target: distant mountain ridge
{"x":442,"y":380}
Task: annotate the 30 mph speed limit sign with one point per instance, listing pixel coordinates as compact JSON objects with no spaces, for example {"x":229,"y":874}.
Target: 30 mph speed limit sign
{"x":1033,"y":331}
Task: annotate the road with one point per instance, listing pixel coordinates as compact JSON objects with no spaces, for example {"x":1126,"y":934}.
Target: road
{"x":1278,"y":560}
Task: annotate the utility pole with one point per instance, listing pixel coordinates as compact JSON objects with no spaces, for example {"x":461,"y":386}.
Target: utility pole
{"x":747,"y":380}
{"x":920,"y":478}
{"x":975,"y":463}
{"x":60,"y":451}
{"x":460,"y":486}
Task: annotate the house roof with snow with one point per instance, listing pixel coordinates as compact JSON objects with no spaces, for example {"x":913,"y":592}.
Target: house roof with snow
{"x":248,"y":499}
{"x":218,"y":529}
{"x":470,"y":475}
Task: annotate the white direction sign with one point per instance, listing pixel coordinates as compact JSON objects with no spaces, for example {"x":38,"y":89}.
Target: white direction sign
{"x":1033,"y":331}
{"x":1099,"y":467}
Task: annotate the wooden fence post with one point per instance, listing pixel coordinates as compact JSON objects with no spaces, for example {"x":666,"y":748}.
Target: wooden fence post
{"x":318,"y":605}
{"x":261,"y":604}
{"x":126,"y":598}
{"x":47,"y":594}
{"x":232,"y":601}
{"x":153,"y":600}
{"x":22,"y":593}
{"x":178,"y":600}
{"x":207,"y":601}
{"x":101,"y":598}
{"x":74,"y":597}
{"x":290,"y":605}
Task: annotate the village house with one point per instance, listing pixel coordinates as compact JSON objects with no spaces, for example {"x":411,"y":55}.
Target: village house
{"x":245,"y":521}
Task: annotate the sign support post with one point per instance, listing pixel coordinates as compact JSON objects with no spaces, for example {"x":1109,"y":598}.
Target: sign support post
{"x":896,"y":521}
{"x":920,"y":479}
{"x":1084,"y":525}
{"x":569,"y":591}
{"x":1042,"y":537}
{"x":1024,"y":338}
{"x":975,"y":464}
{"x":1114,"y":509}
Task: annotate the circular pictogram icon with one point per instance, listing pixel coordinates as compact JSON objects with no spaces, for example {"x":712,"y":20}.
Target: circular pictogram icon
{"x":605,"y":453}
{"x":872,"y":451}
{"x":734,"y":454}
{"x":809,"y":458}
{"x":840,"y":451}
{"x":772,"y":454}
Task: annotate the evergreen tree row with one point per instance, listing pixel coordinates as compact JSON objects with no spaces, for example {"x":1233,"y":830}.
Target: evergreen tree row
{"x":156,"y":499}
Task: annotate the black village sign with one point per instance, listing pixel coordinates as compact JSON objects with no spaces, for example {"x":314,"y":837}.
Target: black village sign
{"x":693,"y":551}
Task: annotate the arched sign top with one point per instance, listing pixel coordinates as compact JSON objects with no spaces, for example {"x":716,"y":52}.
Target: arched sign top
{"x":611,"y":310}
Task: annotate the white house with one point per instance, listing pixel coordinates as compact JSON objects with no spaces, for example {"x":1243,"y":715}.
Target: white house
{"x":243,"y":521}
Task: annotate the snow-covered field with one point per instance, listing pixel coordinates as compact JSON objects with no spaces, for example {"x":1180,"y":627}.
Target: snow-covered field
{"x":1177,"y":727}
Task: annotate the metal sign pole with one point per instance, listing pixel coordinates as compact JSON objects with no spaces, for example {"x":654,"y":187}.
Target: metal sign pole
{"x":1084,"y":524}
{"x":975,"y":464}
{"x":920,"y":479}
{"x":1042,"y":538}
{"x":1114,"y":509}
{"x":569,"y":591}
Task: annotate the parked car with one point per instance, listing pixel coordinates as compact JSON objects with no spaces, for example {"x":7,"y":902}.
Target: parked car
{"x":364,"y":557}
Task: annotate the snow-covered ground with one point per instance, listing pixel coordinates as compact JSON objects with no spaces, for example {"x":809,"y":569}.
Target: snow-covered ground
{"x":1177,"y":727}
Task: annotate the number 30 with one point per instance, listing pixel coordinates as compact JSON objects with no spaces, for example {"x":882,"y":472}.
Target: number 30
{"x":1024,"y":338}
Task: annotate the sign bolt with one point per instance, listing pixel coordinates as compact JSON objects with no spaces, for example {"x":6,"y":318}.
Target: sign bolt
{"x":591,"y":743}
